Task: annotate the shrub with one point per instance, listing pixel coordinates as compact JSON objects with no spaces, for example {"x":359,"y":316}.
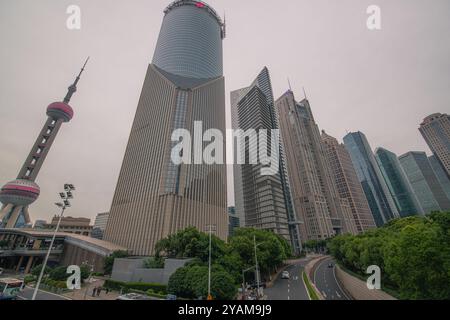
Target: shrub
{"x":144,"y":287}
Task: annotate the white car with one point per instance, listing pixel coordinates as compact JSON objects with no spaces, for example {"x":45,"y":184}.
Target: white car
{"x":285,"y":275}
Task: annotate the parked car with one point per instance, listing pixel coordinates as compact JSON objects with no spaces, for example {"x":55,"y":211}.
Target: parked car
{"x":171,"y":297}
{"x":330,"y":265}
{"x":285,"y":275}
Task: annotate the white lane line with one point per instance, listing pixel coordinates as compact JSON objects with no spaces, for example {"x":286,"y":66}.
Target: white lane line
{"x":340,"y":288}
{"x":324,"y":294}
{"x":339,"y":296}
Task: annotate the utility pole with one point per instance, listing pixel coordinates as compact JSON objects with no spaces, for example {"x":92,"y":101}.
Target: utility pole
{"x":210,"y":229}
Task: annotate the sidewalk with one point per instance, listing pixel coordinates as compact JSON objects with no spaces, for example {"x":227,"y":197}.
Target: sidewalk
{"x":82,"y":295}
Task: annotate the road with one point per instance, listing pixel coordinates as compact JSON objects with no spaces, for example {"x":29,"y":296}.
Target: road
{"x":325,"y":280}
{"x":27,"y":294}
{"x":292,"y":289}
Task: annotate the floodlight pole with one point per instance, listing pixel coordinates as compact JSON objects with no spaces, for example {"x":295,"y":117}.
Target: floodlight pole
{"x":36,"y":289}
{"x":66,"y":203}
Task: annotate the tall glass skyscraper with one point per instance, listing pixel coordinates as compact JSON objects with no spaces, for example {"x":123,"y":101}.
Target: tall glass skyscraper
{"x":404,"y":197}
{"x":377,"y":193}
{"x":424,"y":182}
{"x":441,"y":175}
{"x":262,"y":201}
{"x":155,"y":197}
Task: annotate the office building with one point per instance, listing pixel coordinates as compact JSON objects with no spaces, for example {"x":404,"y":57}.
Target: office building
{"x":184,"y":84}
{"x":440,"y":174}
{"x":377,"y":192}
{"x":101,"y":220}
{"x":347,"y":182}
{"x":424,"y":182}
{"x":435,"y":129}
{"x":234,"y":221}
{"x":398,"y":184}
{"x":260,"y":199}
{"x":81,"y":226}
{"x":320,"y":212}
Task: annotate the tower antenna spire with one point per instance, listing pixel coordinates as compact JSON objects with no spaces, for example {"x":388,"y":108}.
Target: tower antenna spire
{"x":304,"y":92}
{"x":73,"y":88}
{"x":289,"y":83}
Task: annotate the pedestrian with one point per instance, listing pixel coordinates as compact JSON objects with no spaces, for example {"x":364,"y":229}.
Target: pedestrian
{"x":94,"y":291}
{"x":99,"y":290}
{"x":107,"y":291}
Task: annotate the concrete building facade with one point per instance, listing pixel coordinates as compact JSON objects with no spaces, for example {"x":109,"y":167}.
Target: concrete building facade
{"x":347,"y":182}
{"x":155,"y":197}
{"x":435,"y":129}
{"x":320,"y":212}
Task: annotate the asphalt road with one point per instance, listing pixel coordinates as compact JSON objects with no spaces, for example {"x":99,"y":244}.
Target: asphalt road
{"x":27,"y":294}
{"x":325,"y":280}
{"x":292,"y":289}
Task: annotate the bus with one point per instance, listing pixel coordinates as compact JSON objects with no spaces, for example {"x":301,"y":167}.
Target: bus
{"x":10,"y":288}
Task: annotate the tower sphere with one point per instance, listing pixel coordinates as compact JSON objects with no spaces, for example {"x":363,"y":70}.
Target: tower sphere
{"x":19,"y":192}
{"x":60,"y":110}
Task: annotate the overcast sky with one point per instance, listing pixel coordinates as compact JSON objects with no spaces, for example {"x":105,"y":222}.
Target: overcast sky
{"x":380,"y":82}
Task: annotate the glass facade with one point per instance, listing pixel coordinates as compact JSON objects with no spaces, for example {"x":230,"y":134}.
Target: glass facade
{"x":398,"y":183}
{"x":380,"y":200}
{"x":440,"y":175}
{"x":424,"y":182}
{"x":190,"y":42}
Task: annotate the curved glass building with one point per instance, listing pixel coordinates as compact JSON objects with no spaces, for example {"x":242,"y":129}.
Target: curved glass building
{"x":184,"y":84}
{"x":190,"y":41}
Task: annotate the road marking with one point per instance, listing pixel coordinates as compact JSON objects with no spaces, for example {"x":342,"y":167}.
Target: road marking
{"x":340,"y":288}
{"x":339,"y":296}
{"x":324,"y":294}
{"x":289,"y":298}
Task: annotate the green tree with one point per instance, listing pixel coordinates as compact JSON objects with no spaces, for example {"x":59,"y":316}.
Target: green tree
{"x":36,"y":271}
{"x":59,"y":274}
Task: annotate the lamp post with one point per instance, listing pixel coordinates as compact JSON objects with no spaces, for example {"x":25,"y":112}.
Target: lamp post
{"x":243,"y":280}
{"x":65,"y":196}
{"x":210,"y":229}
{"x":257,"y":267}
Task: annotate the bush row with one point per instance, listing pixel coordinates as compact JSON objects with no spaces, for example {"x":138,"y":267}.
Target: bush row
{"x":145,"y":287}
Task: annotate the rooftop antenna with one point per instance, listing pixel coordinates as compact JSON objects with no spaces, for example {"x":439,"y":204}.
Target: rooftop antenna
{"x":304,"y":92}
{"x":73,"y":87}
{"x":289,"y":83}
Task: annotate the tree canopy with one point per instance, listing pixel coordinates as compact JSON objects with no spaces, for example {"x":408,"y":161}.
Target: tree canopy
{"x":413,"y":254}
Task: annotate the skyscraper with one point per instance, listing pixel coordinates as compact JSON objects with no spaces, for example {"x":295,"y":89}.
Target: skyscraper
{"x":347,"y":182}
{"x":184,"y":84}
{"x":441,"y":175}
{"x":402,"y":193}
{"x":101,"y":221}
{"x":377,"y":193}
{"x":260,"y":199}
{"x":17,"y":195}
{"x":424,"y":182}
{"x":319,"y":210}
{"x":436,"y":131}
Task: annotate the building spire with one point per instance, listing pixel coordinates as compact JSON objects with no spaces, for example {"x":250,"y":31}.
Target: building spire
{"x":304,"y":92}
{"x":289,"y":83}
{"x":73,"y":87}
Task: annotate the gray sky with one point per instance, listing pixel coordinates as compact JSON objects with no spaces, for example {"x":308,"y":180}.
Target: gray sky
{"x":380,"y":82}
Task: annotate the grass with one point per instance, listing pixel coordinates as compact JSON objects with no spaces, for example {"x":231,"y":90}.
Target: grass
{"x":311,"y":291}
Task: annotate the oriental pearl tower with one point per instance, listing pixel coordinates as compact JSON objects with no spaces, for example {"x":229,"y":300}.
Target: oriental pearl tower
{"x":17,"y":195}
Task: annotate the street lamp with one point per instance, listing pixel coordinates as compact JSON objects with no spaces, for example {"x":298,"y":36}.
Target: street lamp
{"x":210,"y":229}
{"x":243,"y":279}
{"x":257,"y":267}
{"x":68,"y":188}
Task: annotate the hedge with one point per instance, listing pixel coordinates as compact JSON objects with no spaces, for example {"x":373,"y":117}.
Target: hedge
{"x":117,"y":286}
